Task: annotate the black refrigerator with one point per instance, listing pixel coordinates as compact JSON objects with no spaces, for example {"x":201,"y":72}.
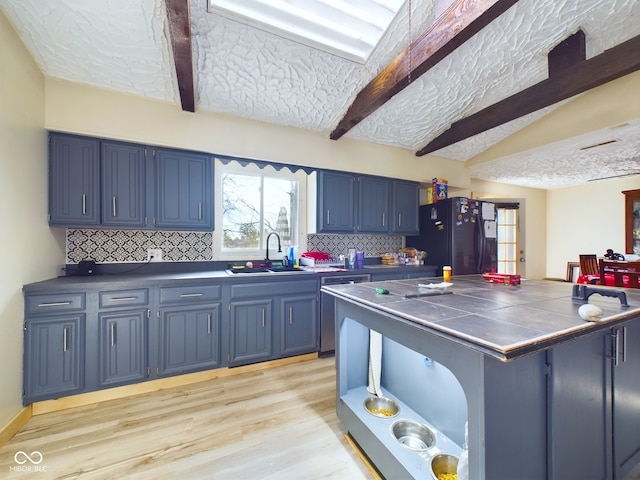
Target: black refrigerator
{"x":460,"y":232}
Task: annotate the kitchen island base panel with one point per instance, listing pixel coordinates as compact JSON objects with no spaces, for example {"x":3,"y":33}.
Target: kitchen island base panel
{"x":506,"y":402}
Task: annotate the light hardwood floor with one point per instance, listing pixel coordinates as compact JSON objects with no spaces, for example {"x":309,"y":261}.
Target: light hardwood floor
{"x":278,"y":423}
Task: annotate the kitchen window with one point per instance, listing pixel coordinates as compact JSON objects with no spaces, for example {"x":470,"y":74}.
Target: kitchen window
{"x":252,"y":202}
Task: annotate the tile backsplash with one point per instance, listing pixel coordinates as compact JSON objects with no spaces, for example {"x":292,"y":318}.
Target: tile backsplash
{"x":115,"y":246}
{"x":371,"y":245}
{"x":111,"y":246}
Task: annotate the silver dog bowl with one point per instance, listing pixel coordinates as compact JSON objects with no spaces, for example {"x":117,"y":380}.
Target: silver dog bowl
{"x":413,"y":435}
{"x":443,"y":463}
{"x":381,"y":407}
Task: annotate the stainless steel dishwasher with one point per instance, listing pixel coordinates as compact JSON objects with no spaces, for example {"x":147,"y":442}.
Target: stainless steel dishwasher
{"x":327,"y":309}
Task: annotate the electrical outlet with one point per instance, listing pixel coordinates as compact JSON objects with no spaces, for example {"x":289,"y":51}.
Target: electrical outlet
{"x":154,"y":255}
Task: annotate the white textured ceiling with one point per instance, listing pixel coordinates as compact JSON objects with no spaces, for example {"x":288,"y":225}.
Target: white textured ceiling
{"x":124,"y":45}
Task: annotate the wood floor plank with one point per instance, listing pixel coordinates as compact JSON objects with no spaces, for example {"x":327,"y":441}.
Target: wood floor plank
{"x":278,"y":423}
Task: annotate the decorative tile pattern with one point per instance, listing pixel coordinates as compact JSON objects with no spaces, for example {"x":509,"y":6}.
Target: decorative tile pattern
{"x":115,"y":246}
{"x":371,"y":245}
{"x":105,"y":246}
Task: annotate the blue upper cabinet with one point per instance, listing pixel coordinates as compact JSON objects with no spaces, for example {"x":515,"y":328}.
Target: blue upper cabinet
{"x":373,"y":204}
{"x":74,"y":181}
{"x":123,"y":185}
{"x":336,"y":202}
{"x":183,"y":190}
{"x":405,"y":207}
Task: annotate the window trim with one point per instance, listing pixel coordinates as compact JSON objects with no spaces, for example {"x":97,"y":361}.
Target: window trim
{"x":243,"y":166}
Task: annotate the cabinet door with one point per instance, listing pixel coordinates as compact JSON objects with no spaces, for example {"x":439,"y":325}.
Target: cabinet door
{"x":299,"y":327}
{"x":251,"y":327}
{"x":74,"y":181}
{"x":626,"y":392}
{"x":190,"y":339}
{"x":336,"y":202}
{"x":405,"y":208}
{"x":54,"y":357}
{"x":373,"y":205}
{"x":122,"y":347}
{"x":123,"y":184}
{"x":184,"y":190}
{"x":579,"y":409}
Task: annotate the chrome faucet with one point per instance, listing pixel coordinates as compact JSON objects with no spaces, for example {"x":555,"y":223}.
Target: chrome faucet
{"x":266,"y":260}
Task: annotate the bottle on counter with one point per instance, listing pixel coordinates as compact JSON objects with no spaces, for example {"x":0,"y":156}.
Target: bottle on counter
{"x":446,"y":273}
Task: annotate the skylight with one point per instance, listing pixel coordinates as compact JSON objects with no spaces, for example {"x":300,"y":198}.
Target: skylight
{"x":349,"y":29}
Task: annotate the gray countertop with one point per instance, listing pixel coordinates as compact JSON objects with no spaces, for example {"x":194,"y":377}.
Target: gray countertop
{"x":505,"y":322}
{"x":139,"y":278}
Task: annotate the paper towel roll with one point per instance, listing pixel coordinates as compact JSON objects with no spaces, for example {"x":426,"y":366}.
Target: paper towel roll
{"x":375,"y":362}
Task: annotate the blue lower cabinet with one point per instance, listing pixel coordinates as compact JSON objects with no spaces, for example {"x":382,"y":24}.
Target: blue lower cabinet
{"x":122,"y":347}
{"x":251,"y":331}
{"x":54,"y":357}
{"x":190,"y":339}
{"x":299,"y":324}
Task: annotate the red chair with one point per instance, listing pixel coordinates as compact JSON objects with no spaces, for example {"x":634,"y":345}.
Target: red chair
{"x":589,"y":269}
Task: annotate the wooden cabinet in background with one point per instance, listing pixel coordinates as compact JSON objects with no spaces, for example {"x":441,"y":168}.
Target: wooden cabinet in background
{"x":632,"y":221}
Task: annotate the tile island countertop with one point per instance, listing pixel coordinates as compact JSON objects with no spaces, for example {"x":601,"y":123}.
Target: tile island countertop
{"x":504,"y":322}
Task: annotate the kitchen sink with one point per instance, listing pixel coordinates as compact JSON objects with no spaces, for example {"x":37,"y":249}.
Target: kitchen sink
{"x":273,"y":269}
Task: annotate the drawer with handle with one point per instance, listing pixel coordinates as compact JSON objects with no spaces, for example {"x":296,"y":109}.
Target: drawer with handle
{"x":53,"y":303}
{"x":193,"y":293}
{"x":124,"y":298}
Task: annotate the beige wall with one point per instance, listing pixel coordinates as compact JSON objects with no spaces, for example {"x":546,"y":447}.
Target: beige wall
{"x":85,"y":110}
{"x":30,"y":250}
{"x":585,"y":219}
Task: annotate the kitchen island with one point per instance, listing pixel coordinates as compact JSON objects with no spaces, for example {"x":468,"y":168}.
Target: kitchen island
{"x":545,"y":393}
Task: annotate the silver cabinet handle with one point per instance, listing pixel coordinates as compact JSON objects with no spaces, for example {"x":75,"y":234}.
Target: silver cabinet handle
{"x":113,"y":334}
{"x":84,"y":204}
{"x":263,"y":318}
{"x":199,"y":210}
{"x":290,"y":315}
{"x":624,"y":344}
{"x":113,"y":206}
{"x":399,"y":219}
{"x":383,"y":220}
{"x":54,"y":304}
{"x":209,"y":324}
{"x":65,"y":339}
{"x":123,"y":299}
{"x":328,"y":216}
{"x":187,"y":295}
{"x":614,"y":347}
